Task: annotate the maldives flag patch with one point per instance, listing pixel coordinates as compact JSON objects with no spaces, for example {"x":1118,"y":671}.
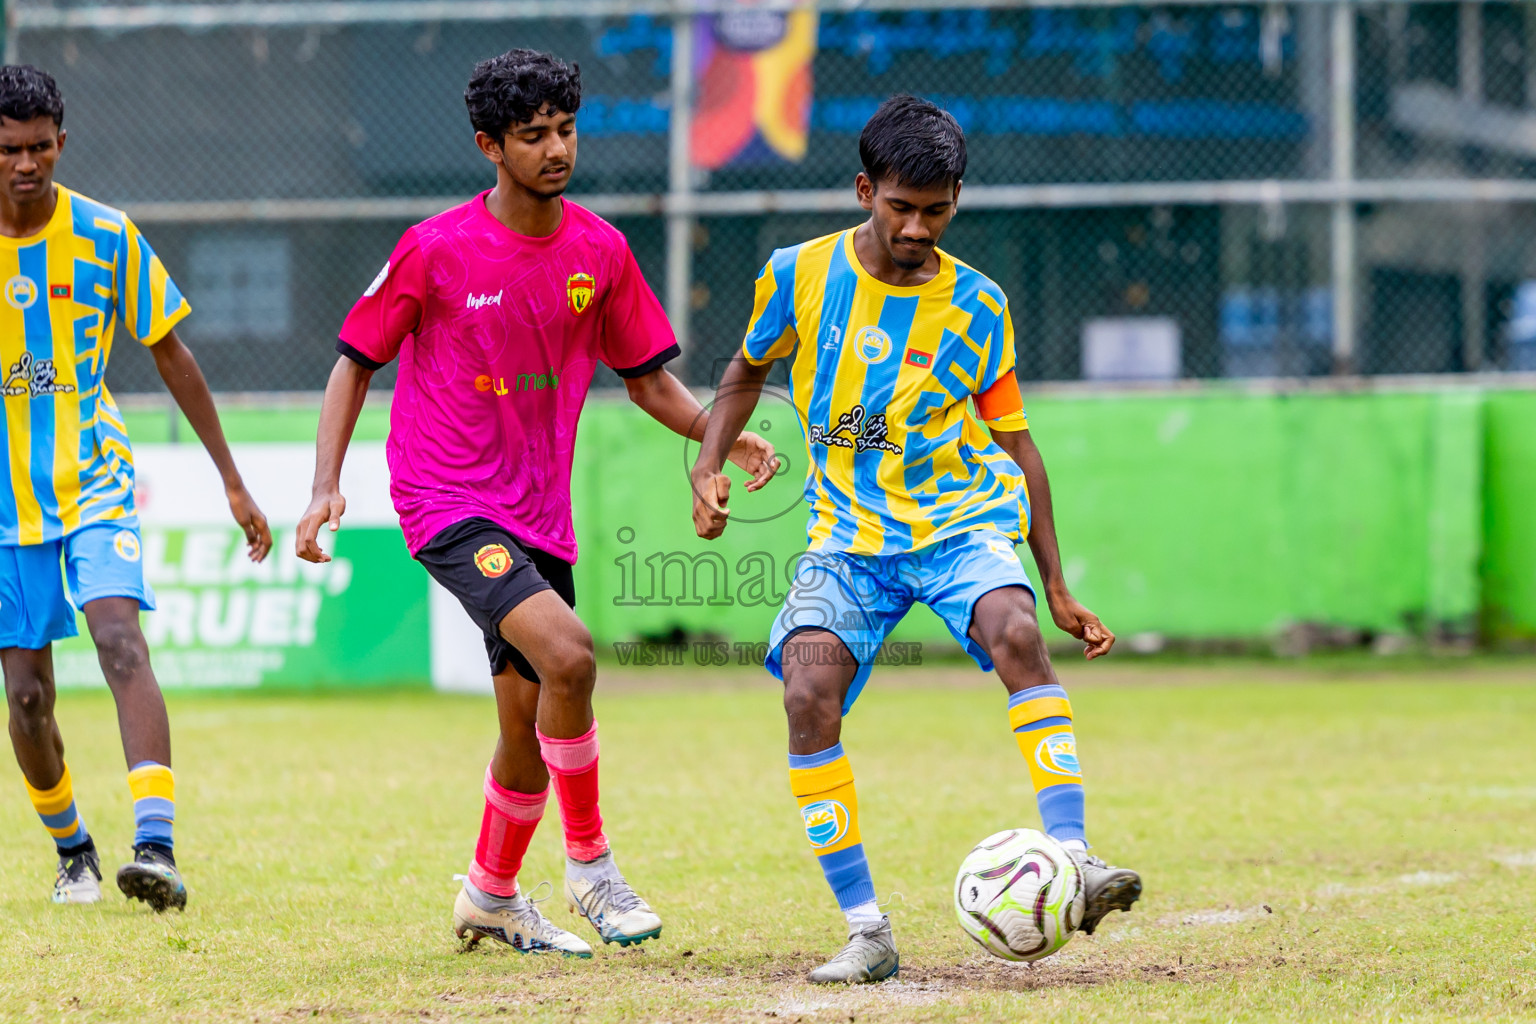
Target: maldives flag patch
{"x":923,"y":359}
{"x":58,"y":291}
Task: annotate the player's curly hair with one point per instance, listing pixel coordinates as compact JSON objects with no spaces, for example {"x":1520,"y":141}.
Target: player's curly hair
{"x":914,"y":142}
{"x":518,"y":86}
{"x":27,"y":92}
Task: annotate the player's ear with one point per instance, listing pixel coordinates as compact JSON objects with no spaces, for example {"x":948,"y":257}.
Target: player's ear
{"x":865,"y":190}
{"x":59,"y":145}
{"x":490,"y":146}
{"x":956,"y":205}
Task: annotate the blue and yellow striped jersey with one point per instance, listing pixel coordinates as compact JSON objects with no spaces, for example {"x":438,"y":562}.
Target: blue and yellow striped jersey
{"x":882,"y":384}
{"x":66,"y":290}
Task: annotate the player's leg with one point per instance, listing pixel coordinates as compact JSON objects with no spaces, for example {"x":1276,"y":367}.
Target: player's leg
{"x":105,"y":574}
{"x":1004,"y":623}
{"x":37,"y":612}
{"x":822,"y":646}
{"x":516,"y":789}
{"x":558,"y":647}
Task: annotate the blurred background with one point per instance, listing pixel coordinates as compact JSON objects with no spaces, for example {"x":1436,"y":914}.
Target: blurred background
{"x":1272,"y":265}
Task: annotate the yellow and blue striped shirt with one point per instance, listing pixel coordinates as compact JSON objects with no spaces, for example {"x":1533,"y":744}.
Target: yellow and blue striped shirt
{"x":66,"y":290}
{"x":882,"y":384}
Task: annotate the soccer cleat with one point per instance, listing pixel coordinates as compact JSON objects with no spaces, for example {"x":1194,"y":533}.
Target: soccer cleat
{"x":152,"y":877}
{"x":79,"y":879}
{"x":1105,"y":888}
{"x":519,"y":925}
{"x":869,"y":956}
{"x":612,"y":907}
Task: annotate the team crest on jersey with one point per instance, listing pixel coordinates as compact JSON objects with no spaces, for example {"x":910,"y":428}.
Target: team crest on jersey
{"x":872,"y":345}
{"x":579,"y":290}
{"x":1057,"y":754}
{"x":826,"y":822}
{"x":493,"y":560}
{"x":126,"y":544}
{"x":21,"y":292}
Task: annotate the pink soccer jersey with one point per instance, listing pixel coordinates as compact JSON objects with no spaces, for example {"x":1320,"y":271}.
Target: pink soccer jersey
{"x":498,"y":335}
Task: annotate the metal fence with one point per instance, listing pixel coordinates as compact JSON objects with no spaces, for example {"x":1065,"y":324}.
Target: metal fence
{"x":1184,"y":190}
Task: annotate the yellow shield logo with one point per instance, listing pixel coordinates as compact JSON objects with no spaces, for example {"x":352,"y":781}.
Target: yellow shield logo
{"x":493,"y":560}
{"x":579,"y":289}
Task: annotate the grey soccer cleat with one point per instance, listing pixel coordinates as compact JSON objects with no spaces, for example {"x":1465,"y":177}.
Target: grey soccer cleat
{"x":1105,"y":888}
{"x":515,"y":922}
{"x":152,"y":877}
{"x":79,"y":878}
{"x":869,"y":956}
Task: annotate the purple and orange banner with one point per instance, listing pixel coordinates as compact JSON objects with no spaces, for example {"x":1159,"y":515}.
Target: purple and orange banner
{"x":753,"y":86}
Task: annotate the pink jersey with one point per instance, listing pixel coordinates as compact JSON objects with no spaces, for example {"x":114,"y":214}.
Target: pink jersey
{"x":498,"y":335}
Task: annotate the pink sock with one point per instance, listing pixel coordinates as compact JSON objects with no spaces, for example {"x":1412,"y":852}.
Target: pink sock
{"x":505,"y":832}
{"x":573,"y":769}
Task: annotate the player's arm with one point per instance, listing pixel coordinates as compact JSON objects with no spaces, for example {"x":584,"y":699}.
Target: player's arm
{"x":1066,"y":611}
{"x":184,"y":378}
{"x":344,"y":395}
{"x":734,"y":401}
{"x":667,"y":402}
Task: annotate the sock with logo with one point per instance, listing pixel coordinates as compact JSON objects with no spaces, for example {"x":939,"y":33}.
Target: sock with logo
{"x":823,"y":787}
{"x":572,"y":765}
{"x":506,"y":828}
{"x":1041,"y":718}
{"x":56,"y":806}
{"x":153,"y":787}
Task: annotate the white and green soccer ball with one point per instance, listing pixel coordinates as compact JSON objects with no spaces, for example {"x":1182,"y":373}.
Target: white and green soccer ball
{"x":1019,"y":894}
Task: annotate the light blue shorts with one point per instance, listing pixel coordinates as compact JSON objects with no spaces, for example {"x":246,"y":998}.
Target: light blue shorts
{"x":861,"y":598}
{"x":102,"y":560}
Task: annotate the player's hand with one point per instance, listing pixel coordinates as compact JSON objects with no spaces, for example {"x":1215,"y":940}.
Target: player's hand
{"x":323,"y":508}
{"x":258,"y":536}
{"x":710,"y":491}
{"x":1069,"y":614}
{"x":755,"y":455}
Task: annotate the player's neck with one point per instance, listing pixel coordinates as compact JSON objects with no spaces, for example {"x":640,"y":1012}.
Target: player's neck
{"x":876,"y":260}
{"x":524,"y":212}
{"x":18,"y":220}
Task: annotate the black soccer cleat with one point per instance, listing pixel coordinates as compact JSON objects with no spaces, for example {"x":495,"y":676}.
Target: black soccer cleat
{"x":152,"y":877}
{"x":1105,"y":888}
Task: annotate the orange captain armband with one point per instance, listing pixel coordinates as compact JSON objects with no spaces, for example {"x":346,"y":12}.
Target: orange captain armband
{"x":1001,"y":406}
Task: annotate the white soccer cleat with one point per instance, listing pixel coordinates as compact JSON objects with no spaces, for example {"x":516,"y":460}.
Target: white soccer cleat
{"x":611,"y":906}
{"x":79,"y":879}
{"x":518,"y":924}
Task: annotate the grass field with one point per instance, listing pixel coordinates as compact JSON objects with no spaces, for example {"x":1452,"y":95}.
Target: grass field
{"x":1317,"y":843}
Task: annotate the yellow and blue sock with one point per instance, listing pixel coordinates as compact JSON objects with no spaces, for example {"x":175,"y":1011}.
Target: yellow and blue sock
{"x":153,"y":786}
{"x":56,"y":806}
{"x":823,"y":786}
{"x":1041,"y":718}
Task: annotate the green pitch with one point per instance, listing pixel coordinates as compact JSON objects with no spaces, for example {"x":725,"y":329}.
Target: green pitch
{"x":1316,"y":845}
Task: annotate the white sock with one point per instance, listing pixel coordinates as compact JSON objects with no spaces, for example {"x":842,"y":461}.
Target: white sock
{"x":862,"y":915}
{"x":1080,"y":845}
{"x":593,"y":870}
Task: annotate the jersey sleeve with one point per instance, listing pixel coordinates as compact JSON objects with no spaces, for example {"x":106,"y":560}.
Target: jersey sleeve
{"x":148,"y":302}
{"x":636,"y":334}
{"x":389,"y":310}
{"x":998,"y":401}
{"x":771,"y":331}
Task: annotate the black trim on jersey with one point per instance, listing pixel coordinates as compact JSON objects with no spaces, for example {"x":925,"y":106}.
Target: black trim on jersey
{"x":656,"y":362}
{"x":362,"y":360}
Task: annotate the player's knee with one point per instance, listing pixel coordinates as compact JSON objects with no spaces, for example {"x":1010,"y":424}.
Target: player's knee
{"x":807,"y":698}
{"x":1020,"y":638}
{"x":30,"y":698}
{"x":121,"y":649}
{"x":569,"y":665}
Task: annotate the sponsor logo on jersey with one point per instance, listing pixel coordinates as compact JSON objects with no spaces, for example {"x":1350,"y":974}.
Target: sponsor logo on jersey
{"x":519,"y":382}
{"x":21,"y":292}
{"x":923,"y":359}
{"x":872,"y":345}
{"x":29,"y":376}
{"x":579,"y":290}
{"x":378,"y":282}
{"x":58,"y":291}
{"x":855,"y":431}
{"x":826,"y":822}
{"x":126,"y":544}
{"x":1057,"y":754}
{"x":493,"y":560}
{"x":479,"y":301}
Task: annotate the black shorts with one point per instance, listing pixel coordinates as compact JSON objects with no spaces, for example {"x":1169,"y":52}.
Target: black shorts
{"x":491,"y":572}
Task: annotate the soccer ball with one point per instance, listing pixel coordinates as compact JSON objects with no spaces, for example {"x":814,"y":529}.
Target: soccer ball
{"x":1019,"y":895}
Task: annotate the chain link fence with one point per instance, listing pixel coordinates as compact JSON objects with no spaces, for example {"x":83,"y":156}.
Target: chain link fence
{"x":1193,"y":190}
